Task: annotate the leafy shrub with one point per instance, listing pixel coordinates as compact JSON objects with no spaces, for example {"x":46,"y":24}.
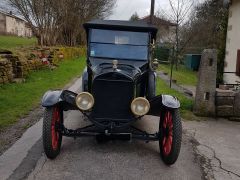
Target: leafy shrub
{"x":69,"y":53}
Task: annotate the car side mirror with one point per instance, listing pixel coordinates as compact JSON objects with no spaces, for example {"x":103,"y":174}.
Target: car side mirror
{"x":155,"y":64}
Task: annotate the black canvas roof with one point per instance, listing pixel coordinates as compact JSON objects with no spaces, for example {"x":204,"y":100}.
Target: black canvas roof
{"x":122,"y":25}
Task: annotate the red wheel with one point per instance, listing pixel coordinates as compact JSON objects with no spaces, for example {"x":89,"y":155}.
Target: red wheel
{"x":168,"y":133}
{"x":55,"y":122}
{"x":52,"y":138}
{"x":170,"y":128}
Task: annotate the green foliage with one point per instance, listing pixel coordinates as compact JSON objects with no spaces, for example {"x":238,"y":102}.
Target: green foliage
{"x":209,"y":29}
{"x":70,"y":53}
{"x":134,"y":17}
{"x":9,"y":42}
{"x":222,"y":47}
{"x":208,"y":24}
{"x":16,"y":100}
{"x":183,"y":75}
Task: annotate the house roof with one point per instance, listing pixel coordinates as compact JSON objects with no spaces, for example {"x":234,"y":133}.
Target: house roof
{"x":158,"y":21}
{"x":11,"y":15}
{"x":136,"y":26}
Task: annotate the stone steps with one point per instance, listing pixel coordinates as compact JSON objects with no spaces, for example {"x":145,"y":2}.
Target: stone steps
{"x":237,"y":119}
{"x":225,"y":111}
{"x":225,"y":102}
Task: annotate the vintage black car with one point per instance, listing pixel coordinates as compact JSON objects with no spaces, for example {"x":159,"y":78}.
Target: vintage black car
{"x":118,"y":89}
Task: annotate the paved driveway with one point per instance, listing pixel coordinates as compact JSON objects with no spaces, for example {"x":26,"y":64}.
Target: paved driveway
{"x":217,"y":141}
{"x":210,"y":150}
{"x":84,"y":158}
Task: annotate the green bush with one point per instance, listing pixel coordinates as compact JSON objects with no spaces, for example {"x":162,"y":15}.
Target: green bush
{"x":69,"y":53}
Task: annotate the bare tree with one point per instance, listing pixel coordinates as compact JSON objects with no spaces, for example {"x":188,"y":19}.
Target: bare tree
{"x":40,"y":16}
{"x":60,"y":21}
{"x":179,"y":15}
{"x":74,"y":13}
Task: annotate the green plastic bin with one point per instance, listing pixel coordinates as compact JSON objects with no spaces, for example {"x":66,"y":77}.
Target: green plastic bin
{"x":192,"y":61}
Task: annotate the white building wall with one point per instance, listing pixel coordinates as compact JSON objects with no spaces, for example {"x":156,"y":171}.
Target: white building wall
{"x":28,"y":32}
{"x":233,"y":43}
{"x":21,"y":27}
{"x":2,"y":23}
{"x":10,"y":25}
{"x":17,"y":27}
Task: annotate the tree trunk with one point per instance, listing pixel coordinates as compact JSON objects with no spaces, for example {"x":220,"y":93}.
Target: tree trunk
{"x":177,"y":46}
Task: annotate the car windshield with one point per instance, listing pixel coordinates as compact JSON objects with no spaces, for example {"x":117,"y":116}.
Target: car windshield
{"x":119,"y":44}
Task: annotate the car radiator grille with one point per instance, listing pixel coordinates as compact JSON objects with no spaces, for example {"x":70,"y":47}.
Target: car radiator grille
{"x":112,"y":99}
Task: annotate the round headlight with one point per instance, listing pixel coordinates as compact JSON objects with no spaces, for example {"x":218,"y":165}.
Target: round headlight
{"x":140,"y":106}
{"x":84,"y":101}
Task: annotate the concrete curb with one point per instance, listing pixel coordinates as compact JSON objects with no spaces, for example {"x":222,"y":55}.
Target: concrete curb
{"x":13,"y":157}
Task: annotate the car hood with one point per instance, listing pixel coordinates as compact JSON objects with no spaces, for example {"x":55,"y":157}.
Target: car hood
{"x":129,"y":68}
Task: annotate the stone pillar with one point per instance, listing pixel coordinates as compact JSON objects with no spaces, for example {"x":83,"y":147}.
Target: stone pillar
{"x":237,"y":105}
{"x":206,"y":88}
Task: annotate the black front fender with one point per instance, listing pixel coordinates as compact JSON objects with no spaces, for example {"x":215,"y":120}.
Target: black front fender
{"x":65,"y":98}
{"x":50,"y":98}
{"x":159,"y":102}
{"x":85,"y":81}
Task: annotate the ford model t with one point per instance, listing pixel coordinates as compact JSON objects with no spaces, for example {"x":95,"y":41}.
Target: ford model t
{"x":118,"y":89}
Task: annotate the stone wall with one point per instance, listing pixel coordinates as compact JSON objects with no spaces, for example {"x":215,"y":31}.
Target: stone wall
{"x":228,"y":103}
{"x":237,"y":105}
{"x":12,"y":66}
{"x":206,"y":89}
{"x":18,"y":65}
{"x":6,"y":71}
{"x":212,"y":101}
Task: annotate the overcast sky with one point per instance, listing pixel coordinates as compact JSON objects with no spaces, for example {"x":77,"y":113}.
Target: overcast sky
{"x":125,"y":8}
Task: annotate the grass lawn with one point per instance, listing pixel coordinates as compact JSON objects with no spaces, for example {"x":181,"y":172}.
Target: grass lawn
{"x":183,"y":75}
{"x":9,"y":42}
{"x":16,"y":100}
{"x":186,"y":103}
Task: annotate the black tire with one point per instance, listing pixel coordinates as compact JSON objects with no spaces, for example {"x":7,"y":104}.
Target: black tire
{"x":170,"y":155}
{"x":51,"y":145}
